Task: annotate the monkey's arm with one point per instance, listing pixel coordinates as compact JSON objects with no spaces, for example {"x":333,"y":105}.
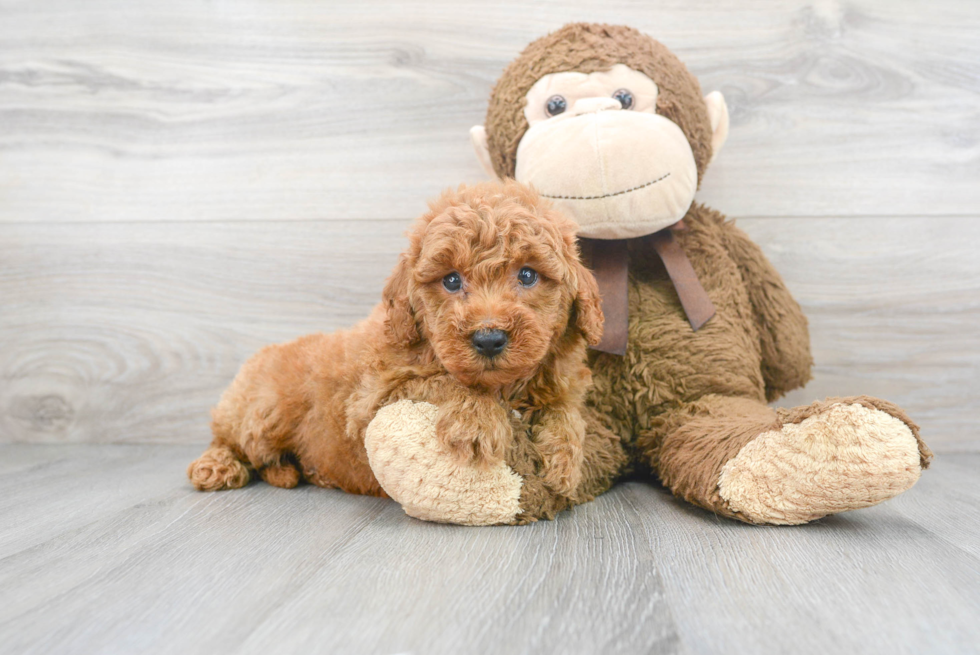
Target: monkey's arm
{"x":785,"y":340}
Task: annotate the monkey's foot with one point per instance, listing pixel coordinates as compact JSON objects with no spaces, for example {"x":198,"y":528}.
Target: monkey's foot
{"x":827,"y":458}
{"x":420,"y":473}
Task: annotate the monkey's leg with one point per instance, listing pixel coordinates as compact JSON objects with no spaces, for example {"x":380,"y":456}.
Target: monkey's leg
{"x":741,"y":459}
{"x":420,"y":472}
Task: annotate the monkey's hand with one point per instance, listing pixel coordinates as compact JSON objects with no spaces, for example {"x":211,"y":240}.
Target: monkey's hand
{"x":419,"y":472}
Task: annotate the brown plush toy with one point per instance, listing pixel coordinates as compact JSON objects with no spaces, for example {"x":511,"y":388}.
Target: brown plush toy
{"x":612,"y":127}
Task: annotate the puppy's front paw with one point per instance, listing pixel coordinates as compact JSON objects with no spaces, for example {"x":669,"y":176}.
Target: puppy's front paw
{"x":476,"y":430}
{"x":562,"y":463}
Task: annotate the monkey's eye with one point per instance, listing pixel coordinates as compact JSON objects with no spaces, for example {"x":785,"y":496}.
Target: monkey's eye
{"x":556,"y":105}
{"x":527,"y":276}
{"x":625,"y":98}
{"x":452,"y":282}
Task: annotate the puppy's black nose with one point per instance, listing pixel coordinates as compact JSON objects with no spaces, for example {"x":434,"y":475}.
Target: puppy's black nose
{"x":490,"y":343}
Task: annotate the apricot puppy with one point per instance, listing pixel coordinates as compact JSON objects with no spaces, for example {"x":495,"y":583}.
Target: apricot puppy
{"x":487,"y":312}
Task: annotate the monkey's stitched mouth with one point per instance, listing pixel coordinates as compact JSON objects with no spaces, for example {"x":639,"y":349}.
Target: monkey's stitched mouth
{"x":608,"y":195}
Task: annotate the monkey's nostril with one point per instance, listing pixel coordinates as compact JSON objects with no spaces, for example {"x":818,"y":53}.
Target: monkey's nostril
{"x":490,"y":343}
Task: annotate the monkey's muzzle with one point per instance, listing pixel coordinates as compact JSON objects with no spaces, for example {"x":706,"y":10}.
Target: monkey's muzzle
{"x":619,"y":174}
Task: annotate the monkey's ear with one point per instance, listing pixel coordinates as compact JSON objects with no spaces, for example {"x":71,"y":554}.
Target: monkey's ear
{"x":718,"y":114}
{"x":400,"y":325}
{"x":588,"y":306}
{"x":478,"y":135}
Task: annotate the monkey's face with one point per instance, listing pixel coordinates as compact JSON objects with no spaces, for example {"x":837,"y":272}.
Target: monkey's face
{"x":597,"y":147}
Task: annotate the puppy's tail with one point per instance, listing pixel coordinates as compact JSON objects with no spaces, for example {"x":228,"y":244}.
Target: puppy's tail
{"x":218,"y":468}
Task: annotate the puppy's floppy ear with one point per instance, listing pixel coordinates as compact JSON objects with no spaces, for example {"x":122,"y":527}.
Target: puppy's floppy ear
{"x":587,"y":315}
{"x":400,"y":326}
{"x":588,"y":305}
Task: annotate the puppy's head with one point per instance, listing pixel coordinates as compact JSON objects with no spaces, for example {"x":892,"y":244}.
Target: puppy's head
{"x":492,"y":281}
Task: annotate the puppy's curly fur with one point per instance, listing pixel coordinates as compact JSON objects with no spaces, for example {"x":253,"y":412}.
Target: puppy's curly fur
{"x":298,"y":411}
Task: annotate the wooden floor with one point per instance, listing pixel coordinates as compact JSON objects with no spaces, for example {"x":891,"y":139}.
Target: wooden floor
{"x":106,"y":548}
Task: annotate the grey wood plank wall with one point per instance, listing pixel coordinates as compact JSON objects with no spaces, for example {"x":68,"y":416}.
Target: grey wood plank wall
{"x":181,"y":183}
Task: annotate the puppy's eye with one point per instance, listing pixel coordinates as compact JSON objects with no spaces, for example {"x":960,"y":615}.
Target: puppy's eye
{"x":527,"y":277}
{"x":452,"y":282}
{"x":625,"y":98}
{"x":556,"y":105}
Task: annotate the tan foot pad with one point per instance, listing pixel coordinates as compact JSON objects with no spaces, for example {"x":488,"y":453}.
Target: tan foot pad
{"x":423,"y":476}
{"x":847,"y":457}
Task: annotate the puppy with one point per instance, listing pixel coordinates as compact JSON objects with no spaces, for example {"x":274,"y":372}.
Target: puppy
{"x":487,"y":312}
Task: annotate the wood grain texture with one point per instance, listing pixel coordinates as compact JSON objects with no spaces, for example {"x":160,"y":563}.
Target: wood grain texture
{"x":893,"y":306}
{"x":895,"y":578}
{"x":112,"y":110}
{"x":133,"y":560}
{"x":171,"y":570}
{"x":129,"y":332}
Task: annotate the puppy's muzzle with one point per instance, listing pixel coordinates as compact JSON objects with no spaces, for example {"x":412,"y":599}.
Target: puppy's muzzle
{"x":489,"y":343}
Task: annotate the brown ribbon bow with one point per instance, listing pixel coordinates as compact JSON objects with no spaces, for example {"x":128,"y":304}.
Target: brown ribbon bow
{"x":610,"y":265}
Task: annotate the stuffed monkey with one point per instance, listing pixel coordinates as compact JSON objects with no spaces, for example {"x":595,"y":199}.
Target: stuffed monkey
{"x":701,"y":332}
